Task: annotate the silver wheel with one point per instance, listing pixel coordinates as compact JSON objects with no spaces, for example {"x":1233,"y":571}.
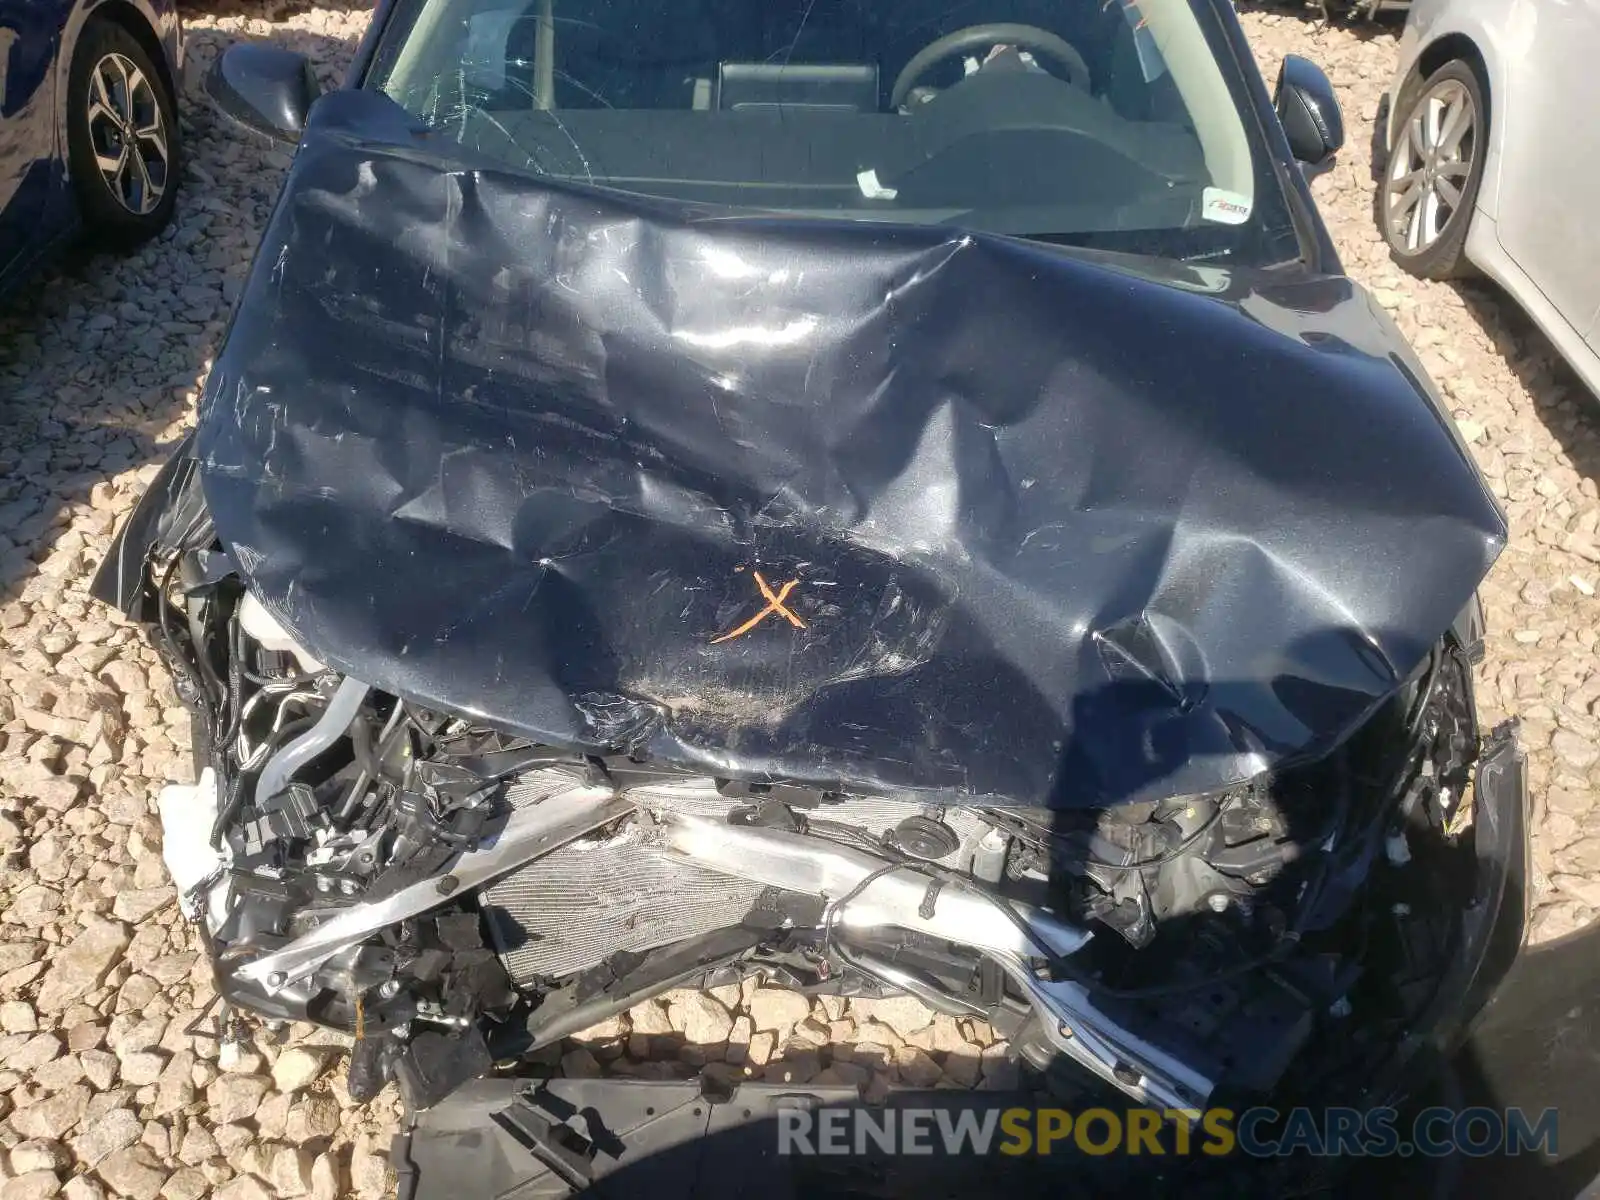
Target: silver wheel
{"x":1428,"y":170}
{"x":127,"y":134}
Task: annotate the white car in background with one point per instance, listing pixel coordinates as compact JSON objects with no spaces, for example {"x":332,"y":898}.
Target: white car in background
{"x":1475,"y":174}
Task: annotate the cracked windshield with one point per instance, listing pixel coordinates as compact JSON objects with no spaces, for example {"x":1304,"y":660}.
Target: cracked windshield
{"x":1084,"y":122}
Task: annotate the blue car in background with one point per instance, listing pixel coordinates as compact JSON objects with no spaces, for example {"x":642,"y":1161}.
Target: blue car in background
{"x":88,"y":124}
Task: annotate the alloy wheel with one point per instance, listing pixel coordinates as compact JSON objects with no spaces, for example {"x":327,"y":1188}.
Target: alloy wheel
{"x":127,"y":133}
{"x":1428,"y":170}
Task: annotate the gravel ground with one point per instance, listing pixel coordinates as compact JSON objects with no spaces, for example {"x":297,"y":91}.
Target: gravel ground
{"x":102,"y":1089}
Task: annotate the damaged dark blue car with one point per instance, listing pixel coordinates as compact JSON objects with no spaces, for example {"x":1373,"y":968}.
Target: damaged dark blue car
{"x":877,"y":498}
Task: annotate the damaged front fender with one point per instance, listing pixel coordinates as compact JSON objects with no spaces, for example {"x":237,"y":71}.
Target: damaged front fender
{"x":171,"y":510}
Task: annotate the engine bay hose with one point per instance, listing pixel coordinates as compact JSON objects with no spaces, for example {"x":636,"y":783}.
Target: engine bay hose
{"x":335,"y":719}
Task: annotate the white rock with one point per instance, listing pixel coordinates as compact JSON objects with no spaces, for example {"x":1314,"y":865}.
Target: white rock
{"x":85,"y":1035}
{"x":313,"y":1117}
{"x":134,"y":1173}
{"x":762,"y":1045}
{"x":254,"y":1158}
{"x":902,"y":1014}
{"x":175,"y":1090}
{"x":83,"y":964}
{"x":290,"y":1173}
{"x":272,"y":1116}
{"x":53,"y":1117}
{"x":701,"y":1018}
{"x":1584,"y":888}
{"x":185,"y":1183}
{"x":58,"y":1074}
{"x":297,"y":1068}
{"x":17,"y":951}
{"x":197,"y":1146}
{"x":17,"y":1016}
{"x":142,"y":1067}
{"x":99,"y":1068}
{"x":39,"y":1154}
{"x":813,"y":1031}
{"x":607,"y":1030}
{"x":777,"y":1010}
{"x":869,"y":1029}
{"x":234,"y":1097}
{"x":833,"y":1007}
{"x":369,"y":1170}
{"x":103,"y":1137}
{"x":35,"y":1185}
{"x":136,"y":904}
{"x":34,"y":1052}
{"x":650,"y":1017}
{"x":245,"y":1187}
{"x":83,"y":1187}
{"x":739,"y":1039}
{"x":1574,"y":749}
{"x":324,"y":1179}
{"x":948,"y":1039}
{"x":238,"y":1059}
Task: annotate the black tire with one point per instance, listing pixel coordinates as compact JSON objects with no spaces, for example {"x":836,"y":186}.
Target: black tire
{"x":117,"y":218}
{"x":1444,"y":256}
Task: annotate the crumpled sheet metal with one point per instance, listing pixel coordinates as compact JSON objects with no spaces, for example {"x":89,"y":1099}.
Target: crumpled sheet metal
{"x":1060,"y":533}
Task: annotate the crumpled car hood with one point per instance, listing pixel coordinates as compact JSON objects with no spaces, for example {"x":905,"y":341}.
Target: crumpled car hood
{"x":1019,"y":524}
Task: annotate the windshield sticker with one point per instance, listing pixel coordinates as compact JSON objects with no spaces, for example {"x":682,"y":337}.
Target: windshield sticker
{"x":1229,"y":208}
{"x":867,"y":181}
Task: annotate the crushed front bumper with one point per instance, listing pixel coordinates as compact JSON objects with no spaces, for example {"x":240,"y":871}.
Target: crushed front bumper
{"x":1490,"y":1040}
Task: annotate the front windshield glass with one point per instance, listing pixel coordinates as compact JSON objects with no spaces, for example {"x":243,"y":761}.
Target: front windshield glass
{"x":1110,"y":123}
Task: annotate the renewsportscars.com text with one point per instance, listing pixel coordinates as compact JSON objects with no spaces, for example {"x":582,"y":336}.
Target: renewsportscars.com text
{"x":1214,"y":1132}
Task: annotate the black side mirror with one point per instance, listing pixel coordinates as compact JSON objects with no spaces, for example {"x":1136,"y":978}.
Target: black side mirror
{"x":265,"y":89}
{"x":1309,"y":111}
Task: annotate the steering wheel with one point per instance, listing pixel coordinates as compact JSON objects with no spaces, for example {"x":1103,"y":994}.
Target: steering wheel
{"x":992,"y":33}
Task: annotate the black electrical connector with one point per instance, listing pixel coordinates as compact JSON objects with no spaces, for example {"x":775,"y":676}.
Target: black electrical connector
{"x":292,"y":814}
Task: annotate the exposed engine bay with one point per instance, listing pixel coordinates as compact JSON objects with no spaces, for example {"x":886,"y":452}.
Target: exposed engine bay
{"x":582,"y":594}
{"x":457,"y":896}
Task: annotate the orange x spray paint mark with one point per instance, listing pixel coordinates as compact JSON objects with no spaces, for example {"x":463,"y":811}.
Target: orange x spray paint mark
{"x":775,"y":604}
